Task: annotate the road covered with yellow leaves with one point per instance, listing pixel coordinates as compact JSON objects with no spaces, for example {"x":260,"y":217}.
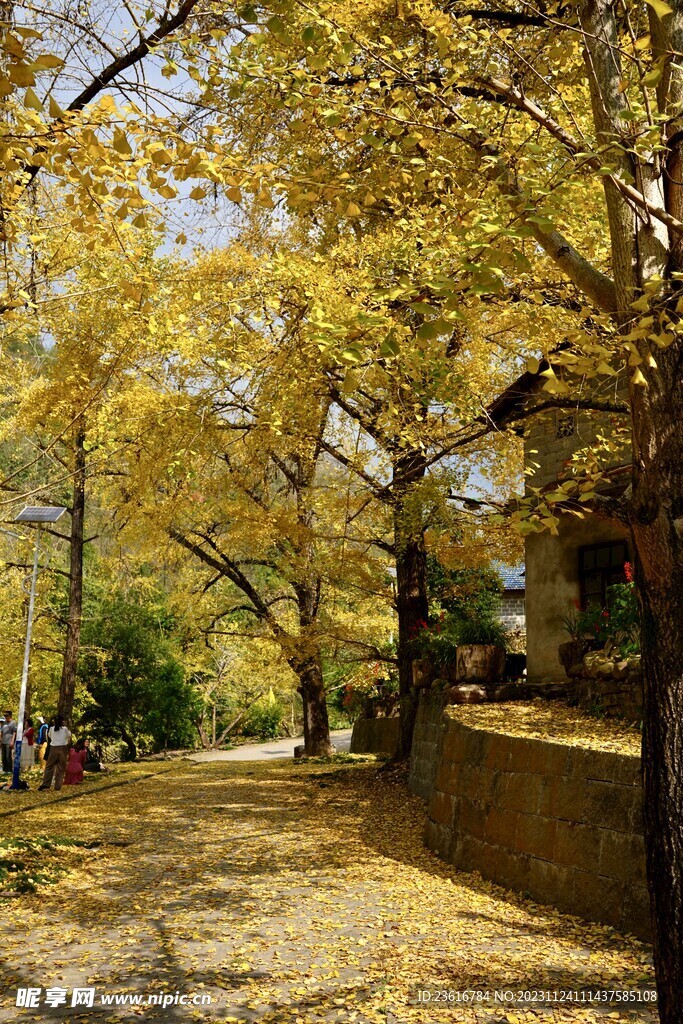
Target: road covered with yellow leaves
{"x":291,"y":893}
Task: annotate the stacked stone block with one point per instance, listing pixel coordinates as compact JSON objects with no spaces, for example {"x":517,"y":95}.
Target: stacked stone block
{"x":375,"y":736}
{"x":562,"y":824}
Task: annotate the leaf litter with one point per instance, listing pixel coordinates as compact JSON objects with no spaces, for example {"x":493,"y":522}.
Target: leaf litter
{"x":289,"y":902}
{"x":551,"y":720}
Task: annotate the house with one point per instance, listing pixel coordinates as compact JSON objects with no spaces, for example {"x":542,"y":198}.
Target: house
{"x":511,"y":611}
{"x":574,"y":568}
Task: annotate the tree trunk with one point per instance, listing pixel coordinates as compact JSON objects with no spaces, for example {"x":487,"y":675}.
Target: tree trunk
{"x":130,"y":743}
{"x":73,"y":630}
{"x":203,"y":738}
{"x":316,"y":723}
{"x":411,"y":587}
{"x":657,"y":528}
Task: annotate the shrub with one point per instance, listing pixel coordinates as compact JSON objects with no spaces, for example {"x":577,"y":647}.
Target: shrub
{"x":482,"y":630}
{"x":622,"y":623}
{"x":618,"y":623}
{"x":264,"y":720}
{"x":438,"y":642}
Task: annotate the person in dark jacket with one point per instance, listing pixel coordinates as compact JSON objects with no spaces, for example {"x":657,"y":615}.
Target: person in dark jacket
{"x":41,"y":740}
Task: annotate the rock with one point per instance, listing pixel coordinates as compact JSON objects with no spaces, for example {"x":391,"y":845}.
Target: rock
{"x":575,"y":671}
{"x":590,"y":661}
{"x":299,"y":750}
{"x":620,"y":670}
{"x":509,"y":691}
{"x":467,"y":693}
{"x":570,"y":652}
{"x":604,"y":670}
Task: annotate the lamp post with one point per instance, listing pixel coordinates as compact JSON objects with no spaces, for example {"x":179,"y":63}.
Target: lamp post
{"x":38,"y":514}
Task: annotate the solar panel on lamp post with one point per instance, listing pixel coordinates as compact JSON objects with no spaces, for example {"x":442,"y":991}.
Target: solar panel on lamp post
{"x":39,"y":515}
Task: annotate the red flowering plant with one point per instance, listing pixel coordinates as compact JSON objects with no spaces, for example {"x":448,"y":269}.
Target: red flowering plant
{"x":619,"y":622}
{"x":624,"y":617}
{"x":437,"y":641}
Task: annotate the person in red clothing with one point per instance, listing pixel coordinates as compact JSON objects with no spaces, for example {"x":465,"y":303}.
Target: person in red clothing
{"x":74,"y":764}
{"x":28,"y":750}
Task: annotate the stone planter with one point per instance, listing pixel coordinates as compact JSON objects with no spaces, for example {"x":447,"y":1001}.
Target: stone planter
{"x":423,"y":673}
{"x":479,"y":663}
{"x":614,"y":685}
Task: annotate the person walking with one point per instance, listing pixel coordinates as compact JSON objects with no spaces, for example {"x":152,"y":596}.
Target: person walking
{"x":75,"y":764}
{"x":41,"y":740}
{"x":59,"y":739}
{"x":8,"y":734}
{"x":28,"y":747}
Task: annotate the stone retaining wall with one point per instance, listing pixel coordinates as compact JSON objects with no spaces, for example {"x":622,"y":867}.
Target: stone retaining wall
{"x":562,"y":824}
{"x":612,"y":685}
{"x":375,"y":736}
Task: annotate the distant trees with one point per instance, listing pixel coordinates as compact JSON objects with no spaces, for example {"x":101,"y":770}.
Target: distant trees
{"x":137,"y":689}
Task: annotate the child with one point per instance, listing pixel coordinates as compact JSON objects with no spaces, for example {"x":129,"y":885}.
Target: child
{"x":75,"y":763}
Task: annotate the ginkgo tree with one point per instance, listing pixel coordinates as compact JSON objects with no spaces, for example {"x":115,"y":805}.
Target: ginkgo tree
{"x":109,"y":114}
{"x":557,"y":128}
{"x":233,"y":466}
{"x":63,"y":367}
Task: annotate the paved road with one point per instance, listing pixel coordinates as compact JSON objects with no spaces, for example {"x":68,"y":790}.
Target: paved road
{"x":284,"y":892}
{"x":267,"y":751}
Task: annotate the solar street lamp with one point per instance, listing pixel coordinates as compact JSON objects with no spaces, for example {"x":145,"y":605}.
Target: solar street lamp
{"x":39,"y":515}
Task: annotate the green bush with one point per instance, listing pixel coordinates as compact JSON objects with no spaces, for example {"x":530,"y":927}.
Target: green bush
{"x":438,"y":642}
{"x":265,"y":720}
{"x":623,"y":619}
{"x":482,"y":630}
{"x":618,"y":623}
{"x":338,"y":719}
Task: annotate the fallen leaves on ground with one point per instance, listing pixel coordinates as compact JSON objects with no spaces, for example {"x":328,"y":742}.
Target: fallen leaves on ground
{"x":13,"y":800}
{"x":27,"y":864}
{"x":550,"y":720}
{"x":292,"y":895}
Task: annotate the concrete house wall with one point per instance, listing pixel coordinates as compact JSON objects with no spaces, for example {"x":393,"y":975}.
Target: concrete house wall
{"x":552,"y":563}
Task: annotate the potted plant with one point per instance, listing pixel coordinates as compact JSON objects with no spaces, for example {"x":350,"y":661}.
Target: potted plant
{"x":595,"y":627}
{"x":581,"y":637}
{"x":434,"y":645}
{"x":481,"y":650}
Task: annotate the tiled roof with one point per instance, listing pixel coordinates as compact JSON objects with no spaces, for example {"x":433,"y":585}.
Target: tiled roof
{"x":512,"y":576}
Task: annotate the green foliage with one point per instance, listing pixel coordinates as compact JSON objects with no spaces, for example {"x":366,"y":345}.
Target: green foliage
{"x":437,"y":642}
{"x":135,"y":682}
{"x":265,"y":720}
{"x":618,"y":623}
{"x":623,"y":622}
{"x":338,"y":717}
{"x":482,"y":630}
{"x":464,"y":593}
{"x":468,"y":599}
